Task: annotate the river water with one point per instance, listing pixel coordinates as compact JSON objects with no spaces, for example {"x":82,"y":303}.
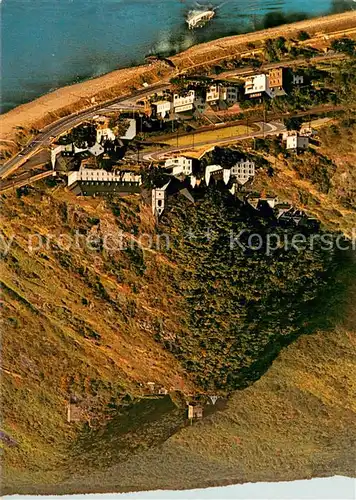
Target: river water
{"x":50,"y":43}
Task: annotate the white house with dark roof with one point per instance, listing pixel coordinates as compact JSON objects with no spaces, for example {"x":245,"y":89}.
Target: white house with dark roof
{"x":102,"y":176}
{"x":161,"y":108}
{"x":180,"y":165}
{"x":183,"y":102}
{"x":212,"y":170}
{"x":97,"y":182}
{"x":297,"y":143}
{"x":243,"y":170}
{"x":159,"y":199}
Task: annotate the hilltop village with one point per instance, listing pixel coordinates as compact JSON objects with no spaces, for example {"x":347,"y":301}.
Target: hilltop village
{"x":98,"y":157}
{"x":178,"y":276}
{"x":167,"y":131}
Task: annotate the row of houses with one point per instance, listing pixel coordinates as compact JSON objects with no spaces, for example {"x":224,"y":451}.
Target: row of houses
{"x":190,"y":100}
{"x":271,"y":84}
{"x":283,"y":211}
{"x":239,"y":174}
{"x":93,"y":181}
{"x":181,"y":167}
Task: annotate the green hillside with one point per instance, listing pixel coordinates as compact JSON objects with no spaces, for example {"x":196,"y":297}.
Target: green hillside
{"x":272,"y":335}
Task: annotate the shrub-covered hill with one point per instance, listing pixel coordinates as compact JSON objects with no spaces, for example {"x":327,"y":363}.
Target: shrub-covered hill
{"x":85,"y":320}
{"x":248,"y":290}
{"x":297,"y":421}
{"x":76,"y":321}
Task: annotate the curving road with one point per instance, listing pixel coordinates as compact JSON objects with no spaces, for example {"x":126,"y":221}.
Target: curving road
{"x":271,"y":128}
{"x":46,"y":135}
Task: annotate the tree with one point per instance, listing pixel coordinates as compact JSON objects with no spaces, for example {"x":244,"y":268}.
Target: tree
{"x":345,"y":45}
{"x":303,"y":35}
{"x":270,"y":50}
{"x":293,"y":123}
{"x":154,"y":176}
{"x":280,"y":44}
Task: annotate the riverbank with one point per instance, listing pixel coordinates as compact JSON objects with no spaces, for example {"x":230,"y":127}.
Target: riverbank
{"x":67,"y":100}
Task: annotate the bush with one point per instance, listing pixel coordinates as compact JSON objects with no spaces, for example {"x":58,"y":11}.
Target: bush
{"x":303,"y":35}
{"x":293,"y":123}
{"x":345,"y":45}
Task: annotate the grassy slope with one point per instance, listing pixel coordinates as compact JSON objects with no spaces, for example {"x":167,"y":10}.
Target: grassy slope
{"x":296,"y":421}
{"x":73,"y":326}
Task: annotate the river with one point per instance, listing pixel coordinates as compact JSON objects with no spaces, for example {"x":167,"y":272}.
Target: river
{"x":50,"y":43}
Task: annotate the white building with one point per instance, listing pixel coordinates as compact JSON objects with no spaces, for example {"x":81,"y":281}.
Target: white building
{"x":102,"y":176}
{"x":213,"y":93}
{"x":183,"y":103}
{"x":66,"y":150}
{"x":131,"y":130}
{"x":211,"y":170}
{"x":255,"y":85}
{"x":161,"y":108}
{"x":287,"y":133}
{"x":96,"y":150}
{"x":193,"y":181}
{"x":297,"y":142}
{"x":104,"y":134}
{"x":272,"y":201}
{"x":159,"y":199}
{"x":243,"y":171}
{"x":226,"y":175}
{"x":180,"y":165}
{"x":272,"y":85}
